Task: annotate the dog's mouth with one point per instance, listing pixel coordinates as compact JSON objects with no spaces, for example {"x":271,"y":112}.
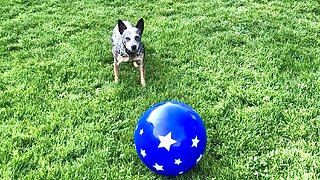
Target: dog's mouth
{"x":131,"y":51}
{"x":134,"y":48}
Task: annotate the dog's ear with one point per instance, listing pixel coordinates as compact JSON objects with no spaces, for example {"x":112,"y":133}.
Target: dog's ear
{"x":121,"y":26}
{"x":140,"y":25}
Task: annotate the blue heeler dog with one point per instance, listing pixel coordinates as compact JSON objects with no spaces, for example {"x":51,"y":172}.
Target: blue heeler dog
{"x":127,"y":47}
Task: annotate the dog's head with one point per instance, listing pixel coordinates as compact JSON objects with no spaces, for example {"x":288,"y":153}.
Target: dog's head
{"x":131,"y":36}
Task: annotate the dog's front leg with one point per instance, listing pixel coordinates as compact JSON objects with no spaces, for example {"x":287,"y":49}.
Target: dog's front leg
{"x":142,"y":74}
{"x":116,"y":71}
{"x":138,"y":62}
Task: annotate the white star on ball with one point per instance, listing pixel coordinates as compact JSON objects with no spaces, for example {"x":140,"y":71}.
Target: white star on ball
{"x":166,"y":141}
{"x":199,"y":158}
{"x":141,"y":132}
{"x":177,"y":161}
{"x":195,"y":142}
{"x":158,"y":167}
{"x":143,"y":153}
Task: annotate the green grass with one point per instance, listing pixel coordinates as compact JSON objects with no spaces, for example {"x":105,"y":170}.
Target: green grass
{"x":250,"y":68}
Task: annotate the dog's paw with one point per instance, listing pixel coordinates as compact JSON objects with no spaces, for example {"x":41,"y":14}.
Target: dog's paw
{"x":143,"y":83}
{"x":135,"y":64}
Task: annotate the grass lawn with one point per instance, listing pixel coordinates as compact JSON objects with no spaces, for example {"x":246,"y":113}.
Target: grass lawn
{"x":250,"y":68}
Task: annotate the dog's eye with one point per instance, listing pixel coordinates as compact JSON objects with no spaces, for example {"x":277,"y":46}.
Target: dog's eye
{"x":128,"y":39}
{"x":137,"y":38}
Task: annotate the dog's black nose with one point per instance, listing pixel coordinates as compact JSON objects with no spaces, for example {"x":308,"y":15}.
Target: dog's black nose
{"x":134,"y":47}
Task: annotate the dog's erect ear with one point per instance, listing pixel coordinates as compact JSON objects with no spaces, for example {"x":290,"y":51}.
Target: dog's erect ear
{"x":121,"y":26}
{"x":140,"y":25}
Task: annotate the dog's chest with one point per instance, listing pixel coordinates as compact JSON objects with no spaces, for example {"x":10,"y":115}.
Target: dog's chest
{"x":123,"y":56}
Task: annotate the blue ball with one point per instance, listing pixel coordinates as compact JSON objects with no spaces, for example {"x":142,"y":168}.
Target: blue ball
{"x":170,"y":138}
